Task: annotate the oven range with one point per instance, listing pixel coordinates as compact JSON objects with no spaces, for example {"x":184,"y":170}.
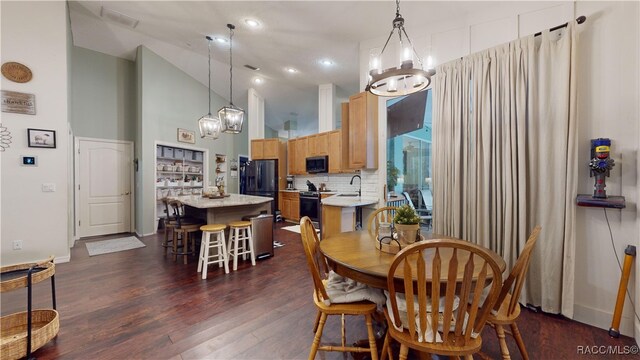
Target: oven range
{"x":310,"y":206}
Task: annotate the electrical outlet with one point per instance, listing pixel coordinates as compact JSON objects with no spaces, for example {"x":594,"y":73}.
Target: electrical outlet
{"x":48,"y":187}
{"x":17,"y":244}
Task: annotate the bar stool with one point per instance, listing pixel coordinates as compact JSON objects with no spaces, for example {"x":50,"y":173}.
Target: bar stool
{"x":220,"y":257}
{"x":240,"y":242}
{"x":183,"y":229}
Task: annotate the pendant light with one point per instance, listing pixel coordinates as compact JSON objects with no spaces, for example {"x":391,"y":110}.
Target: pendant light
{"x":231,"y":116}
{"x":209,"y":125}
{"x":401,"y":80}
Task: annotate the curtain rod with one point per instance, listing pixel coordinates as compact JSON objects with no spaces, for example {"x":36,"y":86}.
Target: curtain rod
{"x":579,"y":20}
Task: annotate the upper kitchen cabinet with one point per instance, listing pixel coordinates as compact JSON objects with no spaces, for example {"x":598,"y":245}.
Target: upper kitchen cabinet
{"x":301,"y":155}
{"x":291,"y":156}
{"x":318,"y":144}
{"x":271,"y":149}
{"x":335,"y":151}
{"x":363,"y":131}
{"x":265,"y":149}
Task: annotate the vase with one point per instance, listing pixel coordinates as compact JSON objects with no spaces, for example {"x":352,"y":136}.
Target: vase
{"x":407,"y":233}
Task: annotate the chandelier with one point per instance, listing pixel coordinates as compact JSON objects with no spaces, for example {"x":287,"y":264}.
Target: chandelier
{"x":209,"y":125}
{"x":231,"y":116}
{"x":401,"y":80}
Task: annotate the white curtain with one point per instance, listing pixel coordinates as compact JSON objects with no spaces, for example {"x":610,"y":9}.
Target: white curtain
{"x":505,"y":157}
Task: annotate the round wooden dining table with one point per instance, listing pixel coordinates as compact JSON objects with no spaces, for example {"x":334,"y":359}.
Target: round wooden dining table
{"x":354,"y":255}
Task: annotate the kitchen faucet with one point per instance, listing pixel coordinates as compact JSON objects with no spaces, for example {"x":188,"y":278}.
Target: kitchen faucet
{"x":360,"y":187}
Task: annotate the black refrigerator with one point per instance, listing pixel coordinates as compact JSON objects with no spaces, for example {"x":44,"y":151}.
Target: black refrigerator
{"x":260,"y":178}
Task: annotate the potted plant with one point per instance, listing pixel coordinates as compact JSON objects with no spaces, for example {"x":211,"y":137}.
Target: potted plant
{"x":407,"y":224}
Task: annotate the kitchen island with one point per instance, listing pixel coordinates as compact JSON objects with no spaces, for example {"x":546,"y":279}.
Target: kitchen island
{"x":339,"y":212}
{"x":227,"y":209}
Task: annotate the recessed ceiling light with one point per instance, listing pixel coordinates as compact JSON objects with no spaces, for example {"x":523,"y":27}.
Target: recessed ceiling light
{"x":258,"y":81}
{"x":252,"y":23}
{"x":326,"y":62}
{"x":221,"y":40}
{"x":291,"y":70}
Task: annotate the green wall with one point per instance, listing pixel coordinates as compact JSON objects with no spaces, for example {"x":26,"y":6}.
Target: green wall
{"x":171,"y":99}
{"x":103,"y":95}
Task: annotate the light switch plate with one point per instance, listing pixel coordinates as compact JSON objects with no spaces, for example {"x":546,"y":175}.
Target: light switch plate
{"x":48,"y":187}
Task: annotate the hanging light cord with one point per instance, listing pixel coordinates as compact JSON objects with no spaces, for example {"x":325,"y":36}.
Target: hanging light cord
{"x":209,"y":93}
{"x":230,"y":63}
{"x":400,"y":31}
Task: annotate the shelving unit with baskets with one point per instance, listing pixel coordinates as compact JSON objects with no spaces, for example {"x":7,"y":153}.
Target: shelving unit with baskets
{"x":179,"y":171}
{"x":27,"y":331}
{"x":221,"y":171}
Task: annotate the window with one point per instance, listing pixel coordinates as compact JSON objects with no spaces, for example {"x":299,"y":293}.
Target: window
{"x":409,"y":145}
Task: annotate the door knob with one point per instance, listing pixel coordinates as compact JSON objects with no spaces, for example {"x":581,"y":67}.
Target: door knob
{"x":127,"y":193}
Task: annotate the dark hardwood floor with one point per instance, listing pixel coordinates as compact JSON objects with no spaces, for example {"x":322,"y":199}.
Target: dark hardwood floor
{"x":139,"y":304}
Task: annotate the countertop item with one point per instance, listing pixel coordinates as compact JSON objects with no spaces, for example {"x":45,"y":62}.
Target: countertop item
{"x":197,"y":201}
{"x":348,"y":200}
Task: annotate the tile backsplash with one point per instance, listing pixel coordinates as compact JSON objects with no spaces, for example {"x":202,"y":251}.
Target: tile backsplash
{"x":340,"y":182}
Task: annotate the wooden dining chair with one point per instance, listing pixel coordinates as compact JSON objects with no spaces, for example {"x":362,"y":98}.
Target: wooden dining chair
{"x":433,"y":291}
{"x":384,"y":214}
{"x":316,"y":263}
{"x":507,"y":308}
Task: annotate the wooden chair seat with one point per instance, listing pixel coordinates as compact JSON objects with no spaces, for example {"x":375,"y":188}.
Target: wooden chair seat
{"x":236,"y":224}
{"x":354,"y":308}
{"x":503,"y":317}
{"x":213,"y":227}
{"x":451,"y":346}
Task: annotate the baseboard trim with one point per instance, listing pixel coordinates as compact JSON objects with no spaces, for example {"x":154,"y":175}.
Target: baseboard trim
{"x":62,"y":259}
{"x":602,"y":319}
{"x":143,"y":235}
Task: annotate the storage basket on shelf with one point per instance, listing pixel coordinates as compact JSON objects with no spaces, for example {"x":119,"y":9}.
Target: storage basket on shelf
{"x":18,"y":338}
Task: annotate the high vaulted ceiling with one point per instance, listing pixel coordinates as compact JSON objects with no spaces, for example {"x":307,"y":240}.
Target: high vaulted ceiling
{"x":294,"y":34}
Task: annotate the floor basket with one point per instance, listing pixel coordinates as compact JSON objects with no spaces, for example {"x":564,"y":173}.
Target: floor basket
{"x":13,"y":343}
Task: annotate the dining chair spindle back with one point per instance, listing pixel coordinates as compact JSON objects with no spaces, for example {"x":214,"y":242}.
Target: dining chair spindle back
{"x":447,"y":324}
{"x":382,"y":215}
{"x":507,"y":309}
{"x":318,"y":269}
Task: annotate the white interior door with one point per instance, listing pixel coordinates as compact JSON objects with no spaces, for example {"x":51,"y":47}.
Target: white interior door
{"x":105,"y":187}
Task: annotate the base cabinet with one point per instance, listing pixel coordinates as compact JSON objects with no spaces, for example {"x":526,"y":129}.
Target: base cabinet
{"x":290,"y":207}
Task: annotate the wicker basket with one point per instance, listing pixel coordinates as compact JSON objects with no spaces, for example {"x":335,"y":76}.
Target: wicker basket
{"x":45,"y":326}
{"x":20,"y":282}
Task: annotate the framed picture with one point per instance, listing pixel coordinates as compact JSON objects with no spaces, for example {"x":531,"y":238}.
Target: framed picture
{"x":186,"y":136}
{"x":40,"y":138}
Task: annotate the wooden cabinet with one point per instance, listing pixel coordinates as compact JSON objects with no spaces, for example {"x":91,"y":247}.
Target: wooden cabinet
{"x":363,"y":131}
{"x":335,"y":151}
{"x":301,"y":155}
{"x":265,"y":149}
{"x":291,"y":157}
{"x":290,"y":205}
{"x":322,"y":144}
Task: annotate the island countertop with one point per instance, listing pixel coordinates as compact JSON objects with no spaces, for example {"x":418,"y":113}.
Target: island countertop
{"x":341,"y":200}
{"x":197,"y":201}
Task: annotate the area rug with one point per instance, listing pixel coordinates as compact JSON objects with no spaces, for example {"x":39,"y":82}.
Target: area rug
{"x":113,"y":245}
{"x":294,"y":228}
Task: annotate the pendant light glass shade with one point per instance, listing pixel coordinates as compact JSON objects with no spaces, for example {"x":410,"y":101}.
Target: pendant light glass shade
{"x":209,"y":125}
{"x":232,"y":117}
{"x":403,"y":79}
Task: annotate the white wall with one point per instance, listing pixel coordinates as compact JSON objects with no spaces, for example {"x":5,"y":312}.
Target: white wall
{"x":38,"y":219}
{"x":608,"y":107}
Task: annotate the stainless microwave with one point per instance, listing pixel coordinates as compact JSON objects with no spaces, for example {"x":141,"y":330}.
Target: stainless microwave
{"x":317,"y":164}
